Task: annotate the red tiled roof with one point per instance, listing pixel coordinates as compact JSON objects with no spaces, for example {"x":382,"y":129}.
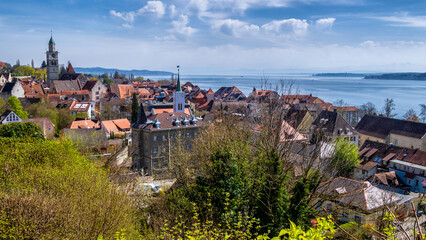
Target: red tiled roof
{"x":210,"y":91}
{"x":123,"y":90}
{"x":2,"y":64}
{"x":389,"y":156}
{"x":83,"y":124}
{"x":32,"y":90}
{"x":414,"y":156}
{"x":70,"y":69}
{"x":363,"y":151}
{"x":122,"y":123}
{"x":347,"y":108}
{"x":79,"y":106}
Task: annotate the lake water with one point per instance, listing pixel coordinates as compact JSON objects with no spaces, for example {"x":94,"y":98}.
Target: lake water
{"x":353,"y":90}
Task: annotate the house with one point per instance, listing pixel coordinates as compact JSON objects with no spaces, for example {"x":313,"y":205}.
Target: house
{"x":210,"y":95}
{"x":165,"y":107}
{"x":229,"y":94}
{"x":71,"y":75}
{"x":5,"y":78}
{"x":350,"y":113}
{"x":332,"y":125}
{"x":95,"y":89}
{"x":389,"y":130}
{"x":82,"y":107}
{"x":33,"y":90}
{"x":57,"y":86}
{"x":113,"y":107}
{"x":123,"y":91}
{"x":410,"y":166}
{"x":154,"y":138}
{"x":145,"y":95}
{"x":9,"y":117}
{"x":116,"y":127}
{"x":46,"y":126}
{"x":301,"y":120}
{"x":295,"y":99}
{"x":374,"y":158}
{"x":389,"y":181}
{"x":262,"y":95}
{"x":355,"y":201}
{"x":12,"y":89}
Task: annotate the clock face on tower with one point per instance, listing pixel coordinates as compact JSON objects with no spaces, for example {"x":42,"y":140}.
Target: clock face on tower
{"x":53,"y":55}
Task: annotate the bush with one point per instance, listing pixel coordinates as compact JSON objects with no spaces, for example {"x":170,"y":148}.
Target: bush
{"x":21,"y":130}
{"x":49,"y":191}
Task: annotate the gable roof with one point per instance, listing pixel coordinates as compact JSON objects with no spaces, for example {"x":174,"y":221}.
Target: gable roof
{"x":70,"y":69}
{"x":7,"y":88}
{"x":210,"y":91}
{"x":229,"y":92}
{"x":89,"y":85}
{"x":381,"y":127}
{"x":123,"y":123}
{"x":331,"y":123}
{"x":414,"y":156}
{"x":66,"y":85}
{"x":294,"y":117}
{"x":42,"y":121}
{"x":33,"y":90}
{"x":362,"y":195}
{"x":83,"y":124}
{"x":123,"y":90}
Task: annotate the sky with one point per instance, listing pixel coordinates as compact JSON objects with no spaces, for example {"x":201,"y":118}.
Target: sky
{"x":220,"y":36}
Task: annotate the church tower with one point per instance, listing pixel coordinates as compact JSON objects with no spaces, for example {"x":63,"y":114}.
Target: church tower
{"x":178,"y":97}
{"x":52,"y":63}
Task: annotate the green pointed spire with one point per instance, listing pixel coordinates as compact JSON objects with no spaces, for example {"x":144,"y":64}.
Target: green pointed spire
{"x":178,"y":88}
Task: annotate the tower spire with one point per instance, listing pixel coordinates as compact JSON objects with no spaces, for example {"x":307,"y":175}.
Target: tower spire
{"x":178,"y":88}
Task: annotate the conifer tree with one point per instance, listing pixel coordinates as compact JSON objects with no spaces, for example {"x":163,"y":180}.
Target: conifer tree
{"x":135,"y":107}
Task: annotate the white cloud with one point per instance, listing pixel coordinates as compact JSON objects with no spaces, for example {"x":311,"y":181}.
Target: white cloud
{"x":405,"y":20}
{"x":173,"y":11}
{"x":155,"y":7}
{"x":297,"y":27}
{"x":325,"y":24}
{"x":126,"y":16}
{"x":234,"y":27}
{"x":180,"y":26}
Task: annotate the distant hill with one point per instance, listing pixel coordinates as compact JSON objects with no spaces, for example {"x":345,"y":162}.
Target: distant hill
{"x":399,"y":76}
{"x":339,"y":75}
{"x":99,"y":70}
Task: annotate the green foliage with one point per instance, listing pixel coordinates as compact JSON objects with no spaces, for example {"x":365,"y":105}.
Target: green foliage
{"x":135,"y":107}
{"x":107,"y":81}
{"x":323,"y":229}
{"x":43,"y":64}
{"x":21,"y":130}
{"x":40,"y":74}
{"x":49,"y":191}
{"x":344,"y":158}
{"x":59,"y":117}
{"x":16,"y":106}
{"x":24,"y":71}
{"x":389,"y":229}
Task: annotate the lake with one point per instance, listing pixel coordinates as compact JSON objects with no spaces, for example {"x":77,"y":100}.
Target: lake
{"x":353,"y":90}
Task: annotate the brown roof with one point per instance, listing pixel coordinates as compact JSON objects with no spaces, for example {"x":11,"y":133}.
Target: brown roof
{"x":83,"y":124}
{"x":294,"y":117}
{"x":89,"y":85}
{"x":414,"y":156}
{"x":347,"y":109}
{"x":42,"y":121}
{"x":370,"y":165}
{"x":371,"y":152}
{"x":210,"y":91}
{"x":53,"y":97}
{"x":123,"y":90}
{"x":70,"y":69}
{"x":33,"y":90}
{"x":381,"y":127}
{"x":332,"y":123}
{"x":301,"y":99}
{"x":122,"y":123}
{"x":66,"y":85}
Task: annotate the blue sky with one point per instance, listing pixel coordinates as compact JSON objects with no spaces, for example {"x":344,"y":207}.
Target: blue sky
{"x":220,"y":36}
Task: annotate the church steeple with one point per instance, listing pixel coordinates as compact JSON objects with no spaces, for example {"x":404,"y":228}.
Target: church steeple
{"x":178,"y":97}
{"x":178,"y":87}
{"x":51,"y":43}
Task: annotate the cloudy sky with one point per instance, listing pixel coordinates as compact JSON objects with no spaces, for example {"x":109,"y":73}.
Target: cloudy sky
{"x":220,"y":36}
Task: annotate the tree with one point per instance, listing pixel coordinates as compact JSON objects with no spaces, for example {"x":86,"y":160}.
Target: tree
{"x":410,"y":115}
{"x":40,"y":74}
{"x":368,"y":109}
{"x":339,"y":103}
{"x":116,"y":75}
{"x":43,"y":64}
{"x":24,"y":71}
{"x":388,"y":108}
{"x":62,"y":70}
{"x":423,"y":112}
{"x":135,"y":107}
{"x":18,"y":63}
{"x":32,"y":63}
{"x":344,"y":158}
{"x":21,"y":130}
{"x":16,"y":106}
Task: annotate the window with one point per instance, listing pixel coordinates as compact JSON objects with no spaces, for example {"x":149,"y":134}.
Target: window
{"x":97,"y":93}
{"x":187,"y":135}
{"x":155,"y":163}
{"x":154,"y":138}
{"x":155,"y":150}
{"x":195,"y":134}
{"x":188,"y":146}
{"x":164,"y":137}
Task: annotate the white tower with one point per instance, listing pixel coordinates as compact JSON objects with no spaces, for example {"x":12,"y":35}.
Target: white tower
{"x":178,"y":97}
